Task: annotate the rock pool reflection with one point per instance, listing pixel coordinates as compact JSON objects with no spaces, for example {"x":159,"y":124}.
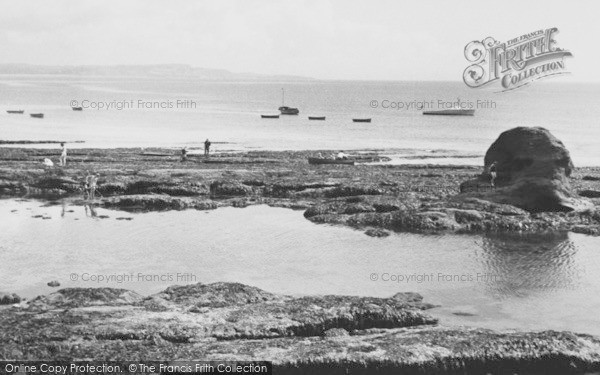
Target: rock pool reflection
{"x":528,"y":262}
{"x":544,"y":281}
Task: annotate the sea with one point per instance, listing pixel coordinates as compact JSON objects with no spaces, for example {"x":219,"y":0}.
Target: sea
{"x":528,"y":282}
{"x":183,"y":112}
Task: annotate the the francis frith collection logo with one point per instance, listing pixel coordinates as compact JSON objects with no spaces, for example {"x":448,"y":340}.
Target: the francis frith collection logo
{"x":514,"y":63}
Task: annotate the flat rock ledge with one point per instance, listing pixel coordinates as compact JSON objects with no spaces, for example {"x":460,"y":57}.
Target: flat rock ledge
{"x":373,"y":198}
{"x":310,"y":334}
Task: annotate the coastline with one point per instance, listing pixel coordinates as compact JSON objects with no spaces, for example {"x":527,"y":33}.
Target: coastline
{"x":371,"y":196}
{"x":319,"y":334}
{"x":310,"y":334}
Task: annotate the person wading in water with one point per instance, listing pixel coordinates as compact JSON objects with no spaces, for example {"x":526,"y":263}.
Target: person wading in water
{"x":91,"y":185}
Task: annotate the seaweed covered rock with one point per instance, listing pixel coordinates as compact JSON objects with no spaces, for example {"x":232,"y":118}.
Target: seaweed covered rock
{"x":9,"y":298}
{"x":81,"y":297}
{"x":533,"y":169}
{"x":157,"y":202}
{"x":229,"y":188}
{"x":311,"y":334}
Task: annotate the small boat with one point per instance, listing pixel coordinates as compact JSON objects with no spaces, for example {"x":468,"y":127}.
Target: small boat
{"x":361,"y":120}
{"x":457,"y":110}
{"x":451,"y":112}
{"x":269,"y":116}
{"x":330,"y":161}
{"x":155,"y":154}
{"x":321,"y":118}
{"x":15,"y":112}
{"x":287,"y":110}
{"x":77,"y":108}
{"x":37,"y":115}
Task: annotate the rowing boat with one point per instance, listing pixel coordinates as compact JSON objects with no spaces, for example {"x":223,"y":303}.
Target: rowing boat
{"x":330,"y":161}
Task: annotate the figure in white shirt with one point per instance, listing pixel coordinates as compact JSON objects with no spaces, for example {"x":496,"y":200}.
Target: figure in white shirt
{"x":63,"y":155}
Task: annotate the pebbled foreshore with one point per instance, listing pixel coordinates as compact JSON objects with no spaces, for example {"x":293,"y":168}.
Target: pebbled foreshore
{"x":310,"y":334}
{"x":373,"y":197}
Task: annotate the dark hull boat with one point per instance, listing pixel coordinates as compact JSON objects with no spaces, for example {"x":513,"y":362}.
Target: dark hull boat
{"x":320,"y":118}
{"x":77,"y":108}
{"x":269,"y":116}
{"x":361,"y":120}
{"x":330,"y":161}
{"x":285,"y":110}
{"x":288,"y":110}
{"x":37,"y":115}
{"x":19,"y":112}
{"x":451,"y":112}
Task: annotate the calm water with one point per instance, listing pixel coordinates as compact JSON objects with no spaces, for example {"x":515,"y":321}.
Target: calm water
{"x":229,"y":112}
{"x":539,"y":282}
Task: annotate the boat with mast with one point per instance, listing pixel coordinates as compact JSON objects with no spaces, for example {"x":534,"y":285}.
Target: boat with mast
{"x":284,"y":109}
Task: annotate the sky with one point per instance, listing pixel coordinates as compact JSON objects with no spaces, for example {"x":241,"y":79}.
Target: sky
{"x":326,"y":39}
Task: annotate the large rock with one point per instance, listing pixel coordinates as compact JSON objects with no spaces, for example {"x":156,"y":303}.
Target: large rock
{"x":533,"y":170}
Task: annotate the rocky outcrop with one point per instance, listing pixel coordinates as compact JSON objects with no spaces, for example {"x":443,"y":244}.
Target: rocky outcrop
{"x":232,"y":311}
{"x":176,"y":189}
{"x":590,"y":193}
{"x":460,"y":214}
{"x":533,"y":169}
{"x":9,"y":298}
{"x":145,"y":202}
{"x":415,"y":198}
{"x":311,"y":334}
{"x":84,"y":297}
{"x":229,"y":188}
{"x":222,"y":311}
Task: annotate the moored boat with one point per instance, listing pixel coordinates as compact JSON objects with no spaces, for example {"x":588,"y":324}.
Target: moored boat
{"x":321,"y":118}
{"x":361,"y":120}
{"x":288,"y":110}
{"x":155,"y":154}
{"x":285,"y":110}
{"x":15,"y":112}
{"x":37,"y":115}
{"x":330,"y":161}
{"x":451,"y":112}
{"x":269,"y":116}
{"x":457,"y":110}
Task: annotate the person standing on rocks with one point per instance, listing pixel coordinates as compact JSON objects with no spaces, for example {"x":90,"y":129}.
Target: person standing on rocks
{"x":206,"y":147}
{"x":493,"y":173}
{"x":63,"y":156}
